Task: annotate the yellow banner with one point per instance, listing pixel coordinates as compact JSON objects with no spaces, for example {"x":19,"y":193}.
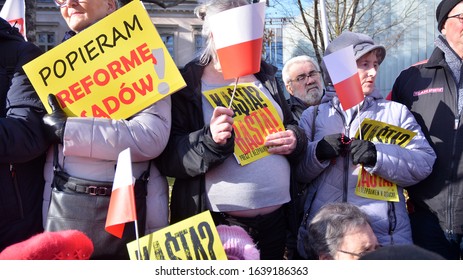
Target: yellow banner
{"x":370,"y":185}
{"x":195,"y":238}
{"x":255,"y":118}
{"x":113,"y":69}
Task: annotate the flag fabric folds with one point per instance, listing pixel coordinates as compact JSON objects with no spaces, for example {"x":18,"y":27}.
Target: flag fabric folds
{"x":121,"y":208}
{"x":342,"y":67}
{"x":14,"y":11}
{"x":238,"y":36}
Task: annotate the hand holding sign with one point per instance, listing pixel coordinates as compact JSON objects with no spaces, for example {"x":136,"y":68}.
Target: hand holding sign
{"x":55,"y":122}
{"x":221,"y":125}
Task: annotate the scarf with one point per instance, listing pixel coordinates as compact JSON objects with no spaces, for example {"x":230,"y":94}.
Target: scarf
{"x":454,"y":62}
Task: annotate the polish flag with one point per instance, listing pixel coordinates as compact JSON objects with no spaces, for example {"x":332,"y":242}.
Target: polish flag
{"x":342,"y":67}
{"x":238,"y":36}
{"x":121,"y":208}
{"x":14,"y":11}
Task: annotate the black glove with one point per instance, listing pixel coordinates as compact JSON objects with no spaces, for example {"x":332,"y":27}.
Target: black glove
{"x":363,"y":152}
{"x":329,"y":147}
{"x":55,"y":122}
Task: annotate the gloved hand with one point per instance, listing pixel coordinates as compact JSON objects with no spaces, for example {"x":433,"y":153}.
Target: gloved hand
{"x":329,"y":147}
{"x":55,"y":122}
{"x":363,"y":152}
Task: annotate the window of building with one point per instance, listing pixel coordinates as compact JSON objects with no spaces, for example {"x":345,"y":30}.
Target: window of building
{"x":46,"y":40}
{"x":199,"y":43}
{"x":168,"y":40}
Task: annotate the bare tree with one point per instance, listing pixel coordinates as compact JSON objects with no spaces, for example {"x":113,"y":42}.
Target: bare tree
{"x":373,"y":17}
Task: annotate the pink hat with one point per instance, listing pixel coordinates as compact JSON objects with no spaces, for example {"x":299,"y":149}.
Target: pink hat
{"x":60,"y":245}
{"x":237,"y":243}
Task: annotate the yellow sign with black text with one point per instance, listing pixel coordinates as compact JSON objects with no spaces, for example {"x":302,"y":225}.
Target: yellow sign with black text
{"x":113,"y":69}
{"x":255,"y":118}
{"x":195,"y":238}
{"x":371,"y":185}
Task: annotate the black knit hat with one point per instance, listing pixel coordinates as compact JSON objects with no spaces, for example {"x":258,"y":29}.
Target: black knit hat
{"x":443,"y":10}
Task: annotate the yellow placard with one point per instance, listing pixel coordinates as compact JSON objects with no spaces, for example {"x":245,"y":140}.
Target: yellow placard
{"x":370,"y":185}
{"x":255,"y":118}
{"x":195,"y":238}
{"x":113,"y":69}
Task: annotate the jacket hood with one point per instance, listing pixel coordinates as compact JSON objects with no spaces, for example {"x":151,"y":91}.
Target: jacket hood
{"x":9,"y":32}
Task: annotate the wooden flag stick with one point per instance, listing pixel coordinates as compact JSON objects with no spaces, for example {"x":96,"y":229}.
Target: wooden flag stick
{"x":233,"y":95}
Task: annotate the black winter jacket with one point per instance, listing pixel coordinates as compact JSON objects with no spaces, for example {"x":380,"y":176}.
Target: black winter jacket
{"x":191,"y":151}
{"x":22,"y":141}
{"x":430,"y":92}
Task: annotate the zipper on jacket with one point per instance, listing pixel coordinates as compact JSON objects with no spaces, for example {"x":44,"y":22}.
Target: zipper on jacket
{"x":346,"y":160}
{"x":17,"y":190}
{"x":452,"y":177}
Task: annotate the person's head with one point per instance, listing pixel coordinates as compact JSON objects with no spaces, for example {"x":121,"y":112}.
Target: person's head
{"x":302,"y":78}
{"x":204,"y":12}
{"x":449,"y":15}
{"x":339,"y":231}
{"x":368,"y":56}
{"x":80,"y":14}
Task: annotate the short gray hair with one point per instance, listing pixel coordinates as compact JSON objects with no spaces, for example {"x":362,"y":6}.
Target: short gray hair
{"x":325,"y":233}
{"x":296,"y":60}
{"x":204,"y":12}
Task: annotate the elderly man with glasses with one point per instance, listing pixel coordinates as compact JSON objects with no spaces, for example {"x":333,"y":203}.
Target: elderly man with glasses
{"x":303,"y":81}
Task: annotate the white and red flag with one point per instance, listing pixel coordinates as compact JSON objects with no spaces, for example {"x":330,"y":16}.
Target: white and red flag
{"x":121,"y":208}
{"x":14,"y":11}
{"x":238,"y":36}
{"x":342,"y":67}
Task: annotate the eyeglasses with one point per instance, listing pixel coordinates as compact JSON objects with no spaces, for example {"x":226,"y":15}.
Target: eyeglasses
{"x":64,"y":3}
{"x":361,"y":254}
{"x":358,"y":255}
{"x":303,"y":77}
{"x":459,"y":16}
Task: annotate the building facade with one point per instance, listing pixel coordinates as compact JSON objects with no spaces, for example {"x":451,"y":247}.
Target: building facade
{"x":178,"y":27}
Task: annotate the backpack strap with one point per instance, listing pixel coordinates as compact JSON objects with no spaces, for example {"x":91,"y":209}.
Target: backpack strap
{"x":315,"y":113}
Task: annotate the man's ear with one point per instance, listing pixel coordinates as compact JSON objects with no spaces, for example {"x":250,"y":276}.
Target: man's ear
{"x":112,"y":6}
{"x":289,"y":89}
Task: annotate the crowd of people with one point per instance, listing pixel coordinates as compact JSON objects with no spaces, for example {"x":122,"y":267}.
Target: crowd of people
{"x":309,"y":198}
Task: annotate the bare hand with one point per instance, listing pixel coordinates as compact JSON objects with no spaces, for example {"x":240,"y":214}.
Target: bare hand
{"x":281,"y":143}
{"x":221,"y":124}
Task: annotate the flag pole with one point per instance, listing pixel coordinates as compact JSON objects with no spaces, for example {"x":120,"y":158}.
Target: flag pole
{"x":233,"y":94}
{"x":138,"y":240}
{"x":324,"y":23}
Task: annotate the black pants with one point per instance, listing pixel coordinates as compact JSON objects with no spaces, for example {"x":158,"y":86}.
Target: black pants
{"x":268,"y":231}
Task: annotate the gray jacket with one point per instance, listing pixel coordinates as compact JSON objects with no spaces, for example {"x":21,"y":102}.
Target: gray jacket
{"x":336,"y":181}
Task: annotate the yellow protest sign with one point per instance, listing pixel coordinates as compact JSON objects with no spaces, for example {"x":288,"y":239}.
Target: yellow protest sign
{"x":195,"y":238}
{"x":255,"y":118}
{"x":113,"y":69}
{"x":371,"y":185}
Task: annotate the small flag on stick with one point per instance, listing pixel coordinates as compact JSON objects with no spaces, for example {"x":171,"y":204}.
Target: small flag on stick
{"x":342,"y":67}
{"x":14,"y":11}
{"x":238,"y":35}
{"x":122,"y":204}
